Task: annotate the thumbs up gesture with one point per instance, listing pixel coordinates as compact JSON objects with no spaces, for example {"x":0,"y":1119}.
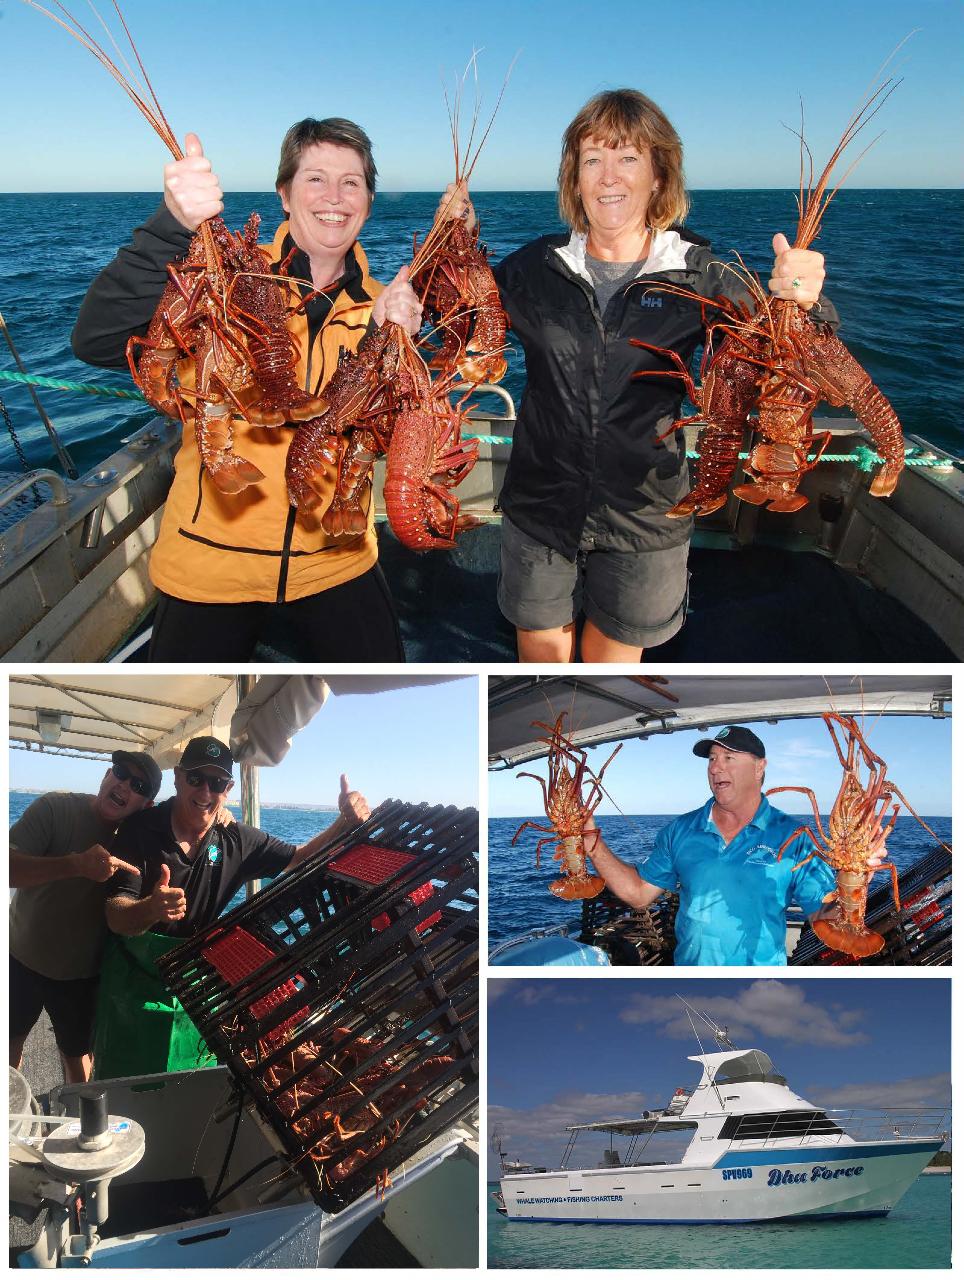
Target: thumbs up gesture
{"x":797,"y":274}
{"x":169,"y":902}
{"x":352,"y":805}
{"x":192,"y":191}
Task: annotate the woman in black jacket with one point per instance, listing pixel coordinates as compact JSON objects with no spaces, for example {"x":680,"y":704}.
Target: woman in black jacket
{"x":589,"y":481}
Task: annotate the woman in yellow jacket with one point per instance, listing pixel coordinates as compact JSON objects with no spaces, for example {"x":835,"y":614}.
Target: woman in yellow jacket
{"x":224,"y":562}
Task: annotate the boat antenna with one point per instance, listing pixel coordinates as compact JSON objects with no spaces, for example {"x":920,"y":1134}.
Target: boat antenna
{"x":719,"y":1034}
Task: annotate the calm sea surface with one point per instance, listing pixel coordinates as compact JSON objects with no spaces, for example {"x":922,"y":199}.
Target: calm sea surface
{"x":917,"y":1233}
{"x":895,"y":271}
{"x":519,"y":897}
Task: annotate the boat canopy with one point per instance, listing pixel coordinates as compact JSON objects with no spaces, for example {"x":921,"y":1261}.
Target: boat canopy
{"x":629,"y":1128}
{"x":91,"y":716}
{"x":609,"y":708}
{"x":745,"y":1067}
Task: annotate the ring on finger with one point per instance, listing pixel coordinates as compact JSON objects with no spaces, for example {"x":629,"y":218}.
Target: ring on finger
{"x":795,"y":282}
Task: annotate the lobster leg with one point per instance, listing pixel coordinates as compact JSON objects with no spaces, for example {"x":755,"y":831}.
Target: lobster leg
{"x":816,"y":813}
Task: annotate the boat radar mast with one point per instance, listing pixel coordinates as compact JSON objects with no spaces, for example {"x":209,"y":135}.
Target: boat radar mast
{"x":719,"y":1033}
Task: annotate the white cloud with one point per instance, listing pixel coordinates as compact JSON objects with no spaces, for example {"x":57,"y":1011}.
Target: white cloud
{"x":766,"y":1010}
{"x":918,"y":1091}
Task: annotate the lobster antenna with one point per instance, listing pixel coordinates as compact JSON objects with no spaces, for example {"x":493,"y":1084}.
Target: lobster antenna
{"x":160,"y":127}
{"x":147,"y":79}
{"x":110,"y":36}
{"x":859,"y":117}
{"x":817,"y":198}
{"x":441,"y":231}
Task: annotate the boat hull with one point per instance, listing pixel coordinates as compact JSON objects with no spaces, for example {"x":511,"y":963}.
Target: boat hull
{"x":810,"y":1182}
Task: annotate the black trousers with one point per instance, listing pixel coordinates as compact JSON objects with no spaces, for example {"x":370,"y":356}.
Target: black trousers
{"x":353,"y":622}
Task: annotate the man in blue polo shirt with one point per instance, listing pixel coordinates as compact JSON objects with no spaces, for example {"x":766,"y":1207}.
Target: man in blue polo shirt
{"x":722,"y":859}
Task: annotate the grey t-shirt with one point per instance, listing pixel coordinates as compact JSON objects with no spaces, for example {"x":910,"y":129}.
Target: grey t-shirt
{"x":58,"y":929}
{"x":609,"y":277}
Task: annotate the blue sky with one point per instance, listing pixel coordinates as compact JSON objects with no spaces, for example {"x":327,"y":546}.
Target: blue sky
{"x":410,"y":744}
{"x":728,"y":75}
{"x":588,"y":1049}
{"x":663,"y":776}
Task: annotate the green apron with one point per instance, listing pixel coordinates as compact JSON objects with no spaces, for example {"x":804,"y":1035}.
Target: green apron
{"x":141,"y":1028}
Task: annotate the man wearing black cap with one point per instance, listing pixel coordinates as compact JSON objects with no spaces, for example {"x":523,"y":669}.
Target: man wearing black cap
{"x":188,"y":865}
{"x":722,"y":859}
{"x":59,"y":863}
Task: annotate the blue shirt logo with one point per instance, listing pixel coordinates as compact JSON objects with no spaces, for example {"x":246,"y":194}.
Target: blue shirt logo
{"x":213,"y":853}
{"x":650,"y":300}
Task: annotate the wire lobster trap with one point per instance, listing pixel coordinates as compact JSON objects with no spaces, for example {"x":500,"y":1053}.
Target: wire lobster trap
{"x":344,"y":997}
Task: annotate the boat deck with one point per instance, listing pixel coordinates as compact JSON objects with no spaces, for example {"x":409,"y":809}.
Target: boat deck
{"x":756,"y":604}
{"x":375,"y":1248}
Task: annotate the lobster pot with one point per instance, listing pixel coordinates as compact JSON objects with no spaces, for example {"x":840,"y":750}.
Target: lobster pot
{"x":344,"y":997}
{"x":646,"y":937}
{"x":920,"y":933}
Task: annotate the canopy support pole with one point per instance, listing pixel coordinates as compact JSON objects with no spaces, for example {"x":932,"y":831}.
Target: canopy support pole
{"x":250,"y":780}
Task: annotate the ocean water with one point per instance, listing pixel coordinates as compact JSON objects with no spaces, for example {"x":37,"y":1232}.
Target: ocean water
{"x":902,"y":308}
{"x":519,"y":897}
{"x":294,"y":825}
{"x":916,"y":1234}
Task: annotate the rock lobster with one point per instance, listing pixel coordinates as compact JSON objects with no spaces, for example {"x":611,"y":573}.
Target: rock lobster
{"x":856,"y":826}
{"x":222,"y":310}
{"x":352,"y":1101}
{"x":774,"y":359}
{"x":383,"y":400}
{"x":567,"y":810}
{"x":454,"y":278}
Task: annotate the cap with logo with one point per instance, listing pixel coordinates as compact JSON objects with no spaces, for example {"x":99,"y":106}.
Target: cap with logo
{"x":140,"y":760}
{"x":735,"y":737}
{"x":207,"y":751}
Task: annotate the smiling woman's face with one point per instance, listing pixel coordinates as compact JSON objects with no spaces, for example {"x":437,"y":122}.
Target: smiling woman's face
{"x":615,"y":186}
{"x":327,"y":200}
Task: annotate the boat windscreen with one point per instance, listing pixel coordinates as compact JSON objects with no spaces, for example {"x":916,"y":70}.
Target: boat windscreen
{"x":752,"y":1065}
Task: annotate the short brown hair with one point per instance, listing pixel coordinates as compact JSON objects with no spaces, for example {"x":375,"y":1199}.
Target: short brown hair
{"x":339,"y":132}
{"x":618,"y":117}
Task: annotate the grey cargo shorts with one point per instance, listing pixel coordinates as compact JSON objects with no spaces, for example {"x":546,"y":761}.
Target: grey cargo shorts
{"x":633,"y":597}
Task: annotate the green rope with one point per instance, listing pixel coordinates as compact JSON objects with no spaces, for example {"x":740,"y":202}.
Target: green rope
{"x":863,"y":457}
{"x":7,"y":375}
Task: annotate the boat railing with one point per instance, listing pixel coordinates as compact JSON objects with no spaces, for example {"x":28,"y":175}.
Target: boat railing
{"x":842,"y":1125}
{"x":868,"y":1124}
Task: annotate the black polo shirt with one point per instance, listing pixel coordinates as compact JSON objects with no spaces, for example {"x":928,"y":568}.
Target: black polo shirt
{"x":226,"y":857}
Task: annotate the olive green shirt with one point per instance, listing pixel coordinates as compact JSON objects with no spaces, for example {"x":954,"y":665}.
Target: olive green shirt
{"x":58,"y":929}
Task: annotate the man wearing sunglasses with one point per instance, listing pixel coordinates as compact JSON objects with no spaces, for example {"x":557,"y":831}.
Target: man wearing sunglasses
{"x":187,"y":864}
{"x":61,"y":856}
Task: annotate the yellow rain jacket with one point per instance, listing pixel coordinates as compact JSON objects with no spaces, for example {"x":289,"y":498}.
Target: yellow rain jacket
{"x":217,"y":548}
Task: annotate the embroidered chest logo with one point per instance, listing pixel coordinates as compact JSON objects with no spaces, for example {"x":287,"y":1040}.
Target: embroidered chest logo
{"x":651,"y":300}
{"x":214,"y":853}
{"x":761,"y":855}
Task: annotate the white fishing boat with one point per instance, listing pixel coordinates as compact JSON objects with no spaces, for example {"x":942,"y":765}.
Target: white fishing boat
{"x":758,"y":1153}
{"x":848,"y":577}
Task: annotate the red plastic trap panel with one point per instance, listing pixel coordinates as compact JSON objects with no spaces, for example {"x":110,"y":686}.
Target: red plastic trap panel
{"x":239,"y":953}
{"x":373,"y":864}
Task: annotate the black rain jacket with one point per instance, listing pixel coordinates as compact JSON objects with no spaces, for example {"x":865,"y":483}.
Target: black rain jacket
{"x":587,"y":470}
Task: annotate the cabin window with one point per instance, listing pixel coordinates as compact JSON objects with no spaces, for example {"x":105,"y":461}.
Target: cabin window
{"x":747,"y":1067}
{"x":778,"y":1124}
